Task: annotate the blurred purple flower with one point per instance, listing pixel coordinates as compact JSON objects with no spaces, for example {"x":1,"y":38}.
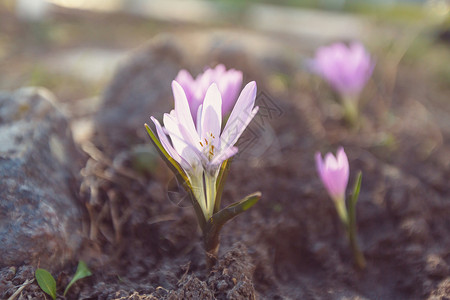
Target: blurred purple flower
{"x":334,"y":172}
{"x":229,"y":84}
{"x":346,"y":68}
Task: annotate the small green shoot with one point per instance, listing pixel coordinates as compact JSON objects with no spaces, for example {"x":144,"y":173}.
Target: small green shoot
{"x":352,"y":234}
{"x":46,"y":282}
{"x":81,"y":272}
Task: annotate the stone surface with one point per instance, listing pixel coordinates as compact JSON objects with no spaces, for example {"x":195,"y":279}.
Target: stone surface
{"x":40,"y":215}
{"x":88,"y":64}
{"x":140,"y":88}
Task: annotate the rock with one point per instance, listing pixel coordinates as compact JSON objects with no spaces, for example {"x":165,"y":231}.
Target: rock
{"x":40,"y":215}
{"x":139,"y":89}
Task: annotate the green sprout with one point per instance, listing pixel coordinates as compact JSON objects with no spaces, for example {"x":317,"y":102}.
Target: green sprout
{"x":47,"y":283}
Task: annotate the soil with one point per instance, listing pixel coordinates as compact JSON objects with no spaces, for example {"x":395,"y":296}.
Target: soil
{"x":291,"y":245}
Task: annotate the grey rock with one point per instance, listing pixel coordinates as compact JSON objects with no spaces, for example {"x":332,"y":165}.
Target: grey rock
{"x":140,"y":88}
{"x":40,"y":215}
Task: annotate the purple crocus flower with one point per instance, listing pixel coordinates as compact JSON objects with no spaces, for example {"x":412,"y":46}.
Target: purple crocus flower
{"x":346,"y":68}
{"x":228,"y":82}
{"x":334,"y":172}
{"x":200,"y":147}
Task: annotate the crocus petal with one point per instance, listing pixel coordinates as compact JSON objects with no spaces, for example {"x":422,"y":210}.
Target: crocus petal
{"x":332,"y":175}
{"x":199,"y":120}
{"x":319,"y":165}
{"x":334,"y":172}
{"x":180,"y":140}
{"x":342,"y":162}
{"x":228,"y":81}
{"x":194,"y":149}
{"x":242,"y":111}
{"x":231,"y":136}
{"x":168,"y":147}
{"x":325,"y":175}
{"x":184,"y":78}
{"x":172,"y":128}
{"x":224,"y":155}
{"x":211,"y":118}
{"x":229,"y":88}
{"x":183,"y":111}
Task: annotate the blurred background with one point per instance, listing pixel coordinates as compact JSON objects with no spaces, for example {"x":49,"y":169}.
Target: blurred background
{"x":72,"y":47}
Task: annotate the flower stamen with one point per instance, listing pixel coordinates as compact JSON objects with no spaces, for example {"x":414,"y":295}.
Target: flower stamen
{"x":208,"y":145}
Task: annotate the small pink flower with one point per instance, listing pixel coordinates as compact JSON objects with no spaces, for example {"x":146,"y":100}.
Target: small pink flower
{"x":346,"y":68}
{"x":228,"y":82}
{"x":334,"y":172}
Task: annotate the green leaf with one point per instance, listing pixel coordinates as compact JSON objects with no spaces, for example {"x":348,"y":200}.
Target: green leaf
{"x":352,"y":205}
{"x":46,"y":282}
{"x":356,"y":189}
{"x":352,"y":230}
{"x":231,"y":211}
{"x":221,"y":178}
{"x":180,"y":174}
{"x":171,"y":163}
{"x":81,"y":272}
{"x":245,"y":203}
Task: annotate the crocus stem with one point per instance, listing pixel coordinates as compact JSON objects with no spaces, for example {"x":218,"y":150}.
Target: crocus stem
{"x":342,"y":212}
{"x":352,"y":236}
{"x":348,"y":220}
{"x":210,"y":186}
{"x":350,"y":106}
{"x":351,"y":229}
{"x":211,"y":243}
{"x":357,"y":254}
{"x":212,"y":227}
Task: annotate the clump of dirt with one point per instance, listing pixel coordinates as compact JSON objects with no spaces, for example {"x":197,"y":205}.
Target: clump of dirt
{"x":12,"y":279}
{"x":231,"y":279}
